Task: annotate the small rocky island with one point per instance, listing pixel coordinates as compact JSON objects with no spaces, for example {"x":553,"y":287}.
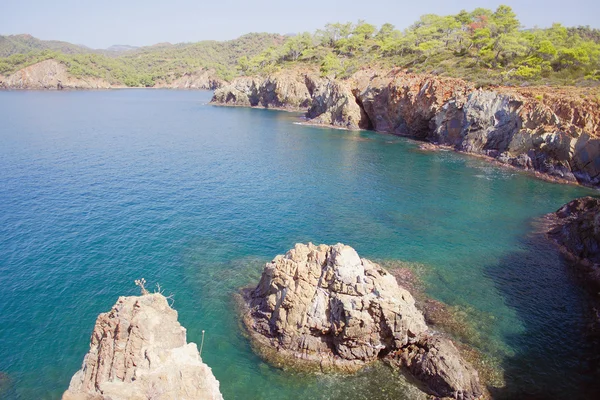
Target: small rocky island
{"x":323,"y":307}
{"x":138,"y":351}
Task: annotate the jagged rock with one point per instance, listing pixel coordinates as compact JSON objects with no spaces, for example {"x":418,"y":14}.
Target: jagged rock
{"x":333,"y":103}
{"x":576,"y":228}
{"x":324,"y":306}
{"x":279,"y":91}
{"x":138,"y":350}
{"x":437,"y":363}
{"x":405,"y":104}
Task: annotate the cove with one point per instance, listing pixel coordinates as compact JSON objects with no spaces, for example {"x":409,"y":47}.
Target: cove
{"x":101,"y":188}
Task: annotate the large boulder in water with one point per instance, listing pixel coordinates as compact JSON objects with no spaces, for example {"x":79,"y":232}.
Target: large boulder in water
{"x":324,"y":306}
{"x":138,"y":350}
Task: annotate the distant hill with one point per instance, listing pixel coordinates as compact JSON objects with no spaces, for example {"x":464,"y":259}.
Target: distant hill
{"x":22,"y":44}
{"x":161,"y":63}
{"x":487,"y":47}
{"x":121,"y":47}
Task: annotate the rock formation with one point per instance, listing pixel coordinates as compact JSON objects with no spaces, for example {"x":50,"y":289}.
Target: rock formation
{"x":576,"y":228}
{"x":201,"y":79}
{"x":325,"y":307}
{"x":50,"y":74}
{"x":138,"y":350}
{"x":545,"y":130}
{"x":279,"y":91}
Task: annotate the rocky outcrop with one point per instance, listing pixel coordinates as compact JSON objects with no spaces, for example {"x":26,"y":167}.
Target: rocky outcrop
{"x":50,"y":74}
{"x":201,"y":79}
{"x":279,"y":91}
{"x":138,"y":350}
{"x":576,"y":228}
{"x":325,"y":307}
{"x":554,"y":133}
{"x":333,"y":103}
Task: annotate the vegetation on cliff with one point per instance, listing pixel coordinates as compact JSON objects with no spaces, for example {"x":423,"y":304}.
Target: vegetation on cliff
{"x":489,"y":47}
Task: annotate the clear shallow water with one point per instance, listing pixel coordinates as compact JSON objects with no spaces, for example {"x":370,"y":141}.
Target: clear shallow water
{"x":101,"y":188}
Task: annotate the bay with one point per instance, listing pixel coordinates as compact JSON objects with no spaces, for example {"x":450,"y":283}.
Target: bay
{"x":99,"y":188}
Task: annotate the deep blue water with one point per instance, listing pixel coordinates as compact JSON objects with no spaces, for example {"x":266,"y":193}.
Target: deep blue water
{"x":98,"y":189}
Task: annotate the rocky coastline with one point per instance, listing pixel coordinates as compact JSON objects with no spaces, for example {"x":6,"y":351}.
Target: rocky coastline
{"x":575,"y":228}
{"x":552,"y":132}
{"x":139,"y":351}
{"x":324,"y":308}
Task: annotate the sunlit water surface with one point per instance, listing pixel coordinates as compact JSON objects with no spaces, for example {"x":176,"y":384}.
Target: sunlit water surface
{"x":98,"y":189}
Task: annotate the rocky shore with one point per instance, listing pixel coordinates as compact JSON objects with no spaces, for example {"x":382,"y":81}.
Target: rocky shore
{"x":324,"y":308}
{"x":138,"y":351}
{"x":554,"y":132}
{"x":575,"y":227}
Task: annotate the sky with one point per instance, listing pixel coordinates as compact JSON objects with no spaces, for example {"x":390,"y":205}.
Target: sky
{"x":102,"y":23}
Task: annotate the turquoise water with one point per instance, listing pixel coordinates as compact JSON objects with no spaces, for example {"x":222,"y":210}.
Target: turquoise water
{"x":101,"y":188}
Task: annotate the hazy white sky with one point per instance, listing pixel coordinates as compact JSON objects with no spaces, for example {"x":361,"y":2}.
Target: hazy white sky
{"x":101,"y":23}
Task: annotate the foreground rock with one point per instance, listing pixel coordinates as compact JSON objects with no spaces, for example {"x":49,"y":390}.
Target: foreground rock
{"x":553,"y":132}
{"x":576,"y":228}
{"x":138,"y":350}
{"x":325,"y":307}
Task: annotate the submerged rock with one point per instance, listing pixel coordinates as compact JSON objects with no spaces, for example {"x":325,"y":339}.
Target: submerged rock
{"x":576,"y":228}
{"x":4,"y":383}
{"x":138,"y":350}
{"x":325,"y":307}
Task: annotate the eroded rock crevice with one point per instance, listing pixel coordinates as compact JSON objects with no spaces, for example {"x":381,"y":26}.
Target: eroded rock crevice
{"x":365,"y":121}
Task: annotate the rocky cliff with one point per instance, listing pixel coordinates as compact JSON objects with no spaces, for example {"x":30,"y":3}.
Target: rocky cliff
{"x":325,"y":307}
{"x":138,"y":350}
{"x":575,"y":227}
{"x":553,"y":132}
{"x":280,"y":91}
{"x":201,"y":79}
{"x":49,"y":74}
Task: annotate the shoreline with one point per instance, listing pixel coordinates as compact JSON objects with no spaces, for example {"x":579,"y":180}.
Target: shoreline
{"x":424,"y":145}
{"x":427,"y":146}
